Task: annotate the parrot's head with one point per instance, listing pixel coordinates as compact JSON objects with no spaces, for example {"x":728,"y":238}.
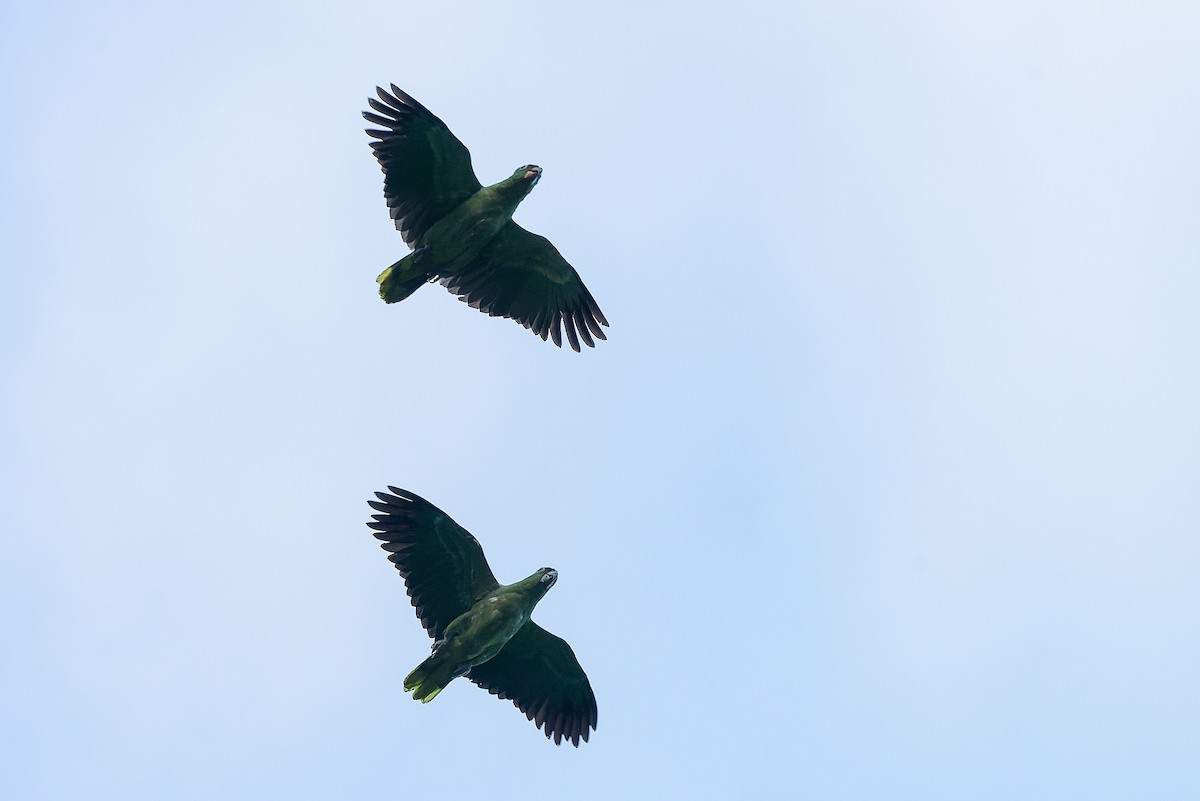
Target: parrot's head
{"x":521,"y":182}
{"x":539,"y":583}
{"x":530,"y":174}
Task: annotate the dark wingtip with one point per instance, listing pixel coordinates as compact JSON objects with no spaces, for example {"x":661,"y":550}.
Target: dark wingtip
{"x":394,"y":102}
{"x":582,"y":328}
{"x":555,"y":326}
{"x":594,"y":308}
{"x":572,"y":337}
{"x":403,"y":493}
{"x":589,"y":318}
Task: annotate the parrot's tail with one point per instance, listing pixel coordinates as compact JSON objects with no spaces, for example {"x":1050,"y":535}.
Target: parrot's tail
{"x":429,"y":678}
{"x":401,"y":280}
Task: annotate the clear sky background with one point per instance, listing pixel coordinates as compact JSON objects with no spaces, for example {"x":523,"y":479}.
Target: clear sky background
{"x":884,"y":486}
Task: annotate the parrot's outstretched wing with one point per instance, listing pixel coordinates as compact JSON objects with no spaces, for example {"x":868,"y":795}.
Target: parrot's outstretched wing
{"x":427,"y":172}
{"x":443,"y":566}
{"x":521,"y":275}
{"x":540,"y":674}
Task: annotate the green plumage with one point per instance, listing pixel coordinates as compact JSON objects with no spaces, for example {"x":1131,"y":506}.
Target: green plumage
{"x":478,"y":634}
{"x":481,"y":629}
{"x":463,"y":231}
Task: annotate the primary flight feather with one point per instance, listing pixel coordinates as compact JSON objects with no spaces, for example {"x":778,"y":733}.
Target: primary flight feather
{"x":463,"y":232}
{"x":481,"y":628}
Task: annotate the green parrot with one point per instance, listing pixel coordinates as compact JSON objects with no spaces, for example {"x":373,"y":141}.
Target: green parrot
{"x":481,"y":629}
{"x":463,"y":232}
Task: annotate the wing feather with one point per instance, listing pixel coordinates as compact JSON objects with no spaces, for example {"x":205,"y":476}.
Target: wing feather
{"x":443,"y":566}
{"x":522,"y":276}
{"x":539,"y":673}
{"x":427,"y":171}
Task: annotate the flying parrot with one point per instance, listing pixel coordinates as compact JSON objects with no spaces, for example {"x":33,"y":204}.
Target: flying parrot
{"x":481,"y":629}
{"x":463,"y":232}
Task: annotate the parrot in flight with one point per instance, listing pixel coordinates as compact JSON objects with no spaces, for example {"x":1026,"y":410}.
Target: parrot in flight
{"x":481,"y":629}
{"x":463,"y":233}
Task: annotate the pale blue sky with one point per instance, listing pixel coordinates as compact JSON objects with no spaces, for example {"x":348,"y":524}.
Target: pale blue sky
{"x":883,"y":487}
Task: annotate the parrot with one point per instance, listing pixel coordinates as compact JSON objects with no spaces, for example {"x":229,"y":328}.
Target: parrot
{"x":481,"y":629}
{"x":462,"y":233}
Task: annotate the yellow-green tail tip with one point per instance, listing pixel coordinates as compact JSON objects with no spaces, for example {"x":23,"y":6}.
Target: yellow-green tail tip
{"x":421,"y":684}
{"x":399,"y":281}
{"x":421,"y":692}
